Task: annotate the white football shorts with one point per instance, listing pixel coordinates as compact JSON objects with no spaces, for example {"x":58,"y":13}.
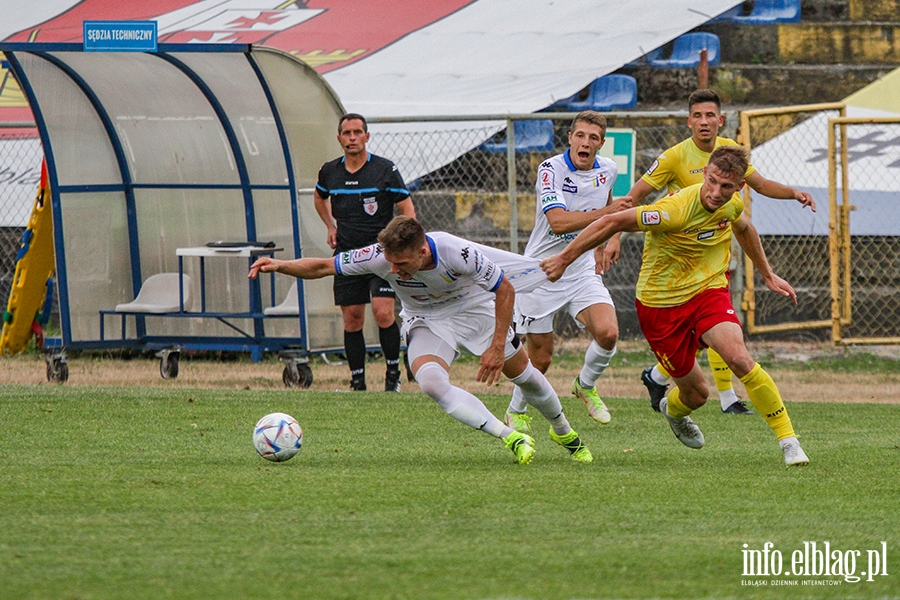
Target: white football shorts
{"x":471,"y":330}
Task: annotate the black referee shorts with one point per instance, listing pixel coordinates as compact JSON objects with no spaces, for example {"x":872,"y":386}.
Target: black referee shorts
{"x":350,"y":290}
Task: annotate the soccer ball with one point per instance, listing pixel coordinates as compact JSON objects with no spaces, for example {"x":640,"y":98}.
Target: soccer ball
{"x":277,"y":437}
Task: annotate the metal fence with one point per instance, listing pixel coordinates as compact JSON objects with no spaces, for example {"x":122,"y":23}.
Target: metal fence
{"x":20,"y":175}
{"x":484,"y":195}
{"x":801,"y":259}
{"x":865,"y":240}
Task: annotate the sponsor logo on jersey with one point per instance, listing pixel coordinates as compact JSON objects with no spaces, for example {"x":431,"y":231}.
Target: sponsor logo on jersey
{"x":465,"y":254}
{"x":345,"y":258}
{"x":695,"y":171}
{"x":549,"y":199}
{"x":410,"y":283}
{"x":548,"y":179}
{"x":650,"y":217}
{"x":568,"y":237}
{"x":362,"y":255}
{"x":706,"y":235}
{"x":370,"y":205}
{"x":653,"y":166}
{"x":570,"y":188}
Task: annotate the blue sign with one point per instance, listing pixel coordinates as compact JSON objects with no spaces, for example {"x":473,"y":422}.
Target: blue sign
{"x":120,"y":36}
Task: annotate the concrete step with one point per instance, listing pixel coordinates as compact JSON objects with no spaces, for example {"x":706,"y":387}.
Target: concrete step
{"x":849,"y":42}
{"x":843,"y":10}
{"x":761,"y":85}
{"x":824,"y":10}
{"x":874,"y":10}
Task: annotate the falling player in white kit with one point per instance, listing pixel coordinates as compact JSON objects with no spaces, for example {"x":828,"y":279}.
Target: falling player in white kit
{"x":574,"y":189}
{"x":453,"y":296}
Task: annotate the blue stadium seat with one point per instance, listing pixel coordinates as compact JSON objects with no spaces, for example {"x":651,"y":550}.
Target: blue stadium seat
{"x":767,"y":12}
{"x":610,"y":92}
{"x":531,"y":136}
{"x":729,"y":14}
{"x":686,"y":52}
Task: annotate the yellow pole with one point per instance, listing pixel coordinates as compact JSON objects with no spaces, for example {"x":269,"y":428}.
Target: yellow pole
{"x":748,"y":302}
{"x":833,"y":237}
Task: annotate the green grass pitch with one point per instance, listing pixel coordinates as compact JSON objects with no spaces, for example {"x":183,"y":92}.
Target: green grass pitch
{"x":129,"y":493}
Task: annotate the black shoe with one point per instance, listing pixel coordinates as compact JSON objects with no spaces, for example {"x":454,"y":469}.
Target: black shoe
{"x":657,"y":392}
{"x":392,"y":380}
{"x":738,"y":408}
{"x":358,"y":385}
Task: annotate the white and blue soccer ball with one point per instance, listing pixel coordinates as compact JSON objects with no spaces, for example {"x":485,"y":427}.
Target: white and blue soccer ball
{"x":277,"y":437}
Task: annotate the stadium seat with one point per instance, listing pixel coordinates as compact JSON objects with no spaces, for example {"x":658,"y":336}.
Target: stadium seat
{"x":531,"y":136}
{"x":159,"y":294}
{"x":686,"y":52}
{"x":290,"y":305}
{"x":726,"y":16}
{"x":610,"y":92}
{"x":767,"y":12}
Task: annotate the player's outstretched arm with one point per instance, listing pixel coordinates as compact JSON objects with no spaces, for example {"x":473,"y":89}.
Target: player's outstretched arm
{"x":593,"y":235}
{"x":566,"y":221}
{"x":638,"y":192}
{"x":773,"y":189}
{"x":302,"y":268}
{"x":747,"y":236}
{"x":608,"y":255}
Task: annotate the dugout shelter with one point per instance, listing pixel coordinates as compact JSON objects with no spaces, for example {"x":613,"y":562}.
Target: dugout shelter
{"x":151,"y":156}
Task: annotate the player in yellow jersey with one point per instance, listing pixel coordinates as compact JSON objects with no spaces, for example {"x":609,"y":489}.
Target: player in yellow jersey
{"x":683,"y":302}
{"x":678,"y":167}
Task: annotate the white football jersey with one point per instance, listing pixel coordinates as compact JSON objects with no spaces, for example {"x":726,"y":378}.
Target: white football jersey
{"x":462,"y":276}
{"x":560,"y":185}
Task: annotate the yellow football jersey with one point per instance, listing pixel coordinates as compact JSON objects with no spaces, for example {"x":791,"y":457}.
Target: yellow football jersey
{"x":687,"y":248}
{"x":682,"y":165}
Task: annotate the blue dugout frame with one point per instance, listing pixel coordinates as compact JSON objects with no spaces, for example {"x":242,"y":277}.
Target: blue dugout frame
{"x":258,"y":342}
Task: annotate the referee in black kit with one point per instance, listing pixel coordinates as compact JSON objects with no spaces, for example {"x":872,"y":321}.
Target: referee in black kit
{"x":355,"y":198}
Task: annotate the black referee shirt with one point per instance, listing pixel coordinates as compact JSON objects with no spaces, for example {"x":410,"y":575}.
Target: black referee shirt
{"x":362,"y":203}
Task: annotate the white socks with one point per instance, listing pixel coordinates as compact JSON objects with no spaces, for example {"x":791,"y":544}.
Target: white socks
{"x":458,"y":403}
{"x":727,"y":398}
{"x":534,"y":389}
{"x":517,"y":403}
{"x":657,"y":377}
{"x":596,"y":359}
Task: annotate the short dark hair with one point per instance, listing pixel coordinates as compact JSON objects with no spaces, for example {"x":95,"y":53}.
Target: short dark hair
{"x":730,"y":160}
{"x":589,"y":116}
{"x":351,"y":117}
{"x":402,"y":234}
{"x":698,"y":96}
